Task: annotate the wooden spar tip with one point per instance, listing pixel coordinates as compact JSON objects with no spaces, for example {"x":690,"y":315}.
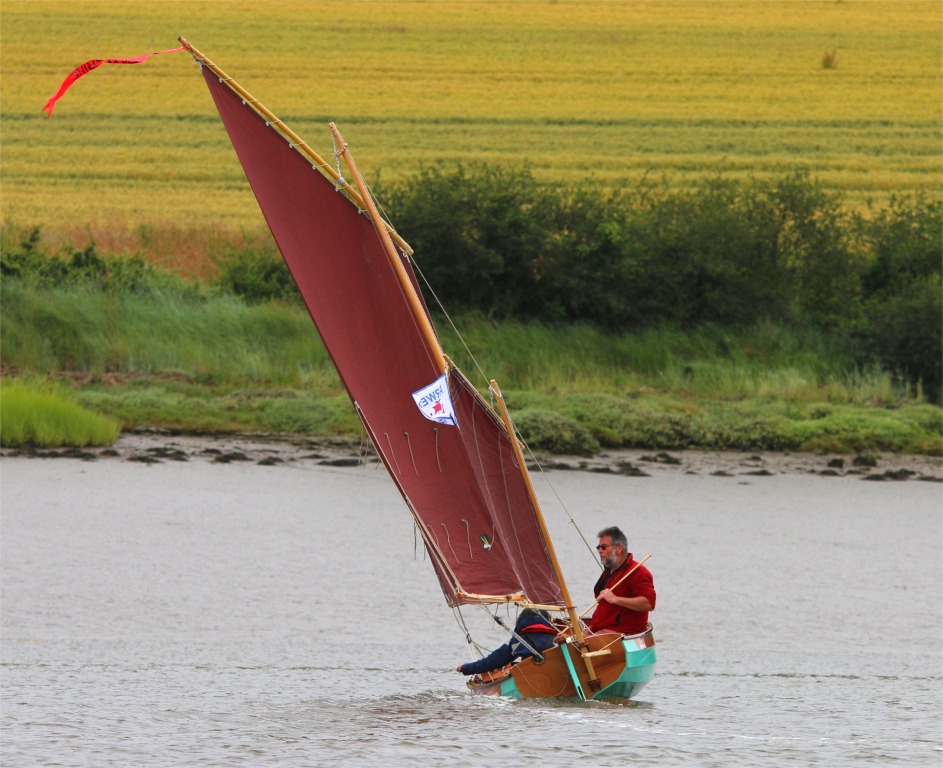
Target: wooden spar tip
{"x":186,"y":44}
{"x":294,"y":141}
{"x":335,"y":132}
{"x":341,"y":149}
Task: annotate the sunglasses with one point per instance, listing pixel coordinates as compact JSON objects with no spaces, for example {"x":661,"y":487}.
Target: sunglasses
{"x":603,"y":547}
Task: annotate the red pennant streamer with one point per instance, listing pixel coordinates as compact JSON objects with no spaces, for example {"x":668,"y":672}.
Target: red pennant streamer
{"x":88,"y":66}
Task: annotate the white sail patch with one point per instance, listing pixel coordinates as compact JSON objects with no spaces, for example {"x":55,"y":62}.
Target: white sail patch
{"x":435,"y":402}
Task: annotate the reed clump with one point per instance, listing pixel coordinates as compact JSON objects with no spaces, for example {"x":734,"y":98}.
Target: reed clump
{"x":39,"y":415}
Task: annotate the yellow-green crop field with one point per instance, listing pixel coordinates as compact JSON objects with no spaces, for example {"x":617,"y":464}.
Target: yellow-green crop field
{"x":609,"y":92}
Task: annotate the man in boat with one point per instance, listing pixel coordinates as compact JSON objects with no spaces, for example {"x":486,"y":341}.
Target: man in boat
{"x":623,"y":601}
{"x":533,"y":634}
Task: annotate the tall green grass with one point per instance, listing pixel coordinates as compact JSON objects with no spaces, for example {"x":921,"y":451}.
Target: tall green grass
{"x":765,"y":361}
{"x":210,"y":362}
{"x":38,"y":415}
{"x":219,"y":339}
{"x":212,"y":339}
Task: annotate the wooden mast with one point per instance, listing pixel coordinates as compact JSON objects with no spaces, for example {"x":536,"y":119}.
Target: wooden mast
{"x":294,"y":140}
{"x":418,"y":310}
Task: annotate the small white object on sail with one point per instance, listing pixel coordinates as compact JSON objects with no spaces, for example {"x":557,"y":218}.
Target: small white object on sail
{"x":435,"y":401}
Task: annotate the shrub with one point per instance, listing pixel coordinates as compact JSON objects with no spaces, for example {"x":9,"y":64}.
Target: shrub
{"x":477,"y":233}
{"x":902,"y":291}
{"x":548,"y":431}
{"x":24,"y":256}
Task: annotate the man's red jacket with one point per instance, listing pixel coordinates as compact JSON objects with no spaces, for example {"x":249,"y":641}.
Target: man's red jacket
{"x":614,"y":617}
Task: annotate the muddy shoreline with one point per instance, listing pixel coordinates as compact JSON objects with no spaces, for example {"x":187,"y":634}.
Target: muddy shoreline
{"x":155,"y":446}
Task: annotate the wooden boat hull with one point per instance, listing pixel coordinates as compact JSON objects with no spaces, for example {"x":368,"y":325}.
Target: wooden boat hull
{"x":623,"y":664}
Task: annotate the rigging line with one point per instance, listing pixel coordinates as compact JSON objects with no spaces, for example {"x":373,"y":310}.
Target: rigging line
{"x":365,"y":447}
{"x":340,"y":182}
{"x":361,"y":452}
{"x":438,"y":459}
{"x":404,"y":255}
{"x":447,"y":316}
{"x":468,"y":538}
{"x":562,"y":503}
{"x":460,"y":619}
{"x":497,"y":620}
{"x":448,"y":540}
{"x":411,"y":456}
{"x":379,"y":206}
{"x":609,"y":645}
{"x":412,"y":261}
{"x":546,"y":479}
{"x":380,"y":210}
{"x":390,"y":444}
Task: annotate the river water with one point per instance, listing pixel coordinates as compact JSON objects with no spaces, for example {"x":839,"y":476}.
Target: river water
{"x":198,"y":613}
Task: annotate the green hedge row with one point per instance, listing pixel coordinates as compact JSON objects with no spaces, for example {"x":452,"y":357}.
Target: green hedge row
{"x":496,"y":242}
{"x":732,"y":254}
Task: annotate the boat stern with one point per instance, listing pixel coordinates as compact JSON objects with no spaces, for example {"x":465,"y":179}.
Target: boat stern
{"x":639,"y":669}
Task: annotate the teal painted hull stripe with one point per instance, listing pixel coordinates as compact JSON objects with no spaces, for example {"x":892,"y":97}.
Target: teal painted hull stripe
{"x":569,"y":666}
{"x":639,"y":670}
{"x":640,"y":658}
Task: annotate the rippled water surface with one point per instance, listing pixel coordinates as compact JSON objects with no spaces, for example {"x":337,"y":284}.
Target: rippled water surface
{"x":212,"y":614}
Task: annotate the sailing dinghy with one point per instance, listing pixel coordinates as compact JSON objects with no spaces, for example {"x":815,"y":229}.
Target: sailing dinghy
{"x":456,"y":460}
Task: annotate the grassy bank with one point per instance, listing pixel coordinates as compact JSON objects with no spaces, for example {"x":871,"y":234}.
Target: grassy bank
{"x":197,"y":361}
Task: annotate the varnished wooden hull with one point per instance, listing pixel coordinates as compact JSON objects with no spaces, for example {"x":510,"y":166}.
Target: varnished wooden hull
{"x":622,"y":665}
